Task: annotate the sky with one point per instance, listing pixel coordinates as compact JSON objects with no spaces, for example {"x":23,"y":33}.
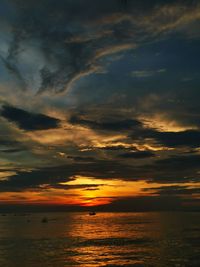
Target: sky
{"x":99,"y":103}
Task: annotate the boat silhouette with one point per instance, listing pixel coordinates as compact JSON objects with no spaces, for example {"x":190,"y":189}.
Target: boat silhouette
{"x":91,"y":213}
{"x":44,"y":220}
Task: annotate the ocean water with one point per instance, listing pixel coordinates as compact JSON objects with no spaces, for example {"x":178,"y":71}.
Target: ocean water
{"x":107,"y":239}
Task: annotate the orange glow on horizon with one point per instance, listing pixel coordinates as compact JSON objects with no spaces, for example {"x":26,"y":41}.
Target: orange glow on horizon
{"x":85,"y":192}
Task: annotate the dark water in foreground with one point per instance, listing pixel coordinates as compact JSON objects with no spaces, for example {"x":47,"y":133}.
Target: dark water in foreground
{"x":107,"y":239}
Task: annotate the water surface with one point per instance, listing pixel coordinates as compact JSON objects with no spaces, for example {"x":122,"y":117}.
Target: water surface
{"x":107,"y":239}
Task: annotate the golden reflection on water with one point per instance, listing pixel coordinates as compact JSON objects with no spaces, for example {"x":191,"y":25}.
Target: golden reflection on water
{"x":105,"y":238}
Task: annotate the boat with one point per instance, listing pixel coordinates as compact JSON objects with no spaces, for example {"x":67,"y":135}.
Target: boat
{"x":91,"y":213}
{"x":44,"y":220}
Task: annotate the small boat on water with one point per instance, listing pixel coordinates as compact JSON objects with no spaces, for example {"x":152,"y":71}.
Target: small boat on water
{"x":44,"y":220}
{"x":92,"y":213}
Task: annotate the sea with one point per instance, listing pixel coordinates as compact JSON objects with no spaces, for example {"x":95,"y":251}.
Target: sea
{"x":105,"y":239}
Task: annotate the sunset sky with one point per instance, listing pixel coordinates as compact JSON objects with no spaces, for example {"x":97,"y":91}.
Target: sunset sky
{"x":100,"y":103}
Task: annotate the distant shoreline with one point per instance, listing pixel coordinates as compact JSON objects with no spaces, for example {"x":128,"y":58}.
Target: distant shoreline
{"x":61,"y":209}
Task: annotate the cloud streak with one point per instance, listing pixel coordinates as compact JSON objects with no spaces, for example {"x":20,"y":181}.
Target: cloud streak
{"x":28,"y":121}
{"x":73,"y":48}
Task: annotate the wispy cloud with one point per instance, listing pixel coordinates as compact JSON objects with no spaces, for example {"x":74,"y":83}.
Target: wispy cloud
{"x":146,"y":73}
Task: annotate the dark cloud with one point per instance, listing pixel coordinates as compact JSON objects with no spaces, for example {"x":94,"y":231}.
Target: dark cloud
{"x":171,"y":170}
{"x":173,"y":190}
{"x":140,"y":131}
{"x":190,"y":138}
{"x":137,"y":155}
{"x":174,"y":169}
{"x":41,"y":179}
{"x":106,"y":125}
{"x":137,"y":130}
{"x":8,"y":142}
{"x":11,"y":147}
{"x":186,"y":161}
{"x":12,"y":150}
{"x":28,"y":121}
{"x":88,"y":187}
{"x":34,"y":179}
{"x":52,"y":176}
{"x":114,"y":148}
{"x":79,"y":158}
